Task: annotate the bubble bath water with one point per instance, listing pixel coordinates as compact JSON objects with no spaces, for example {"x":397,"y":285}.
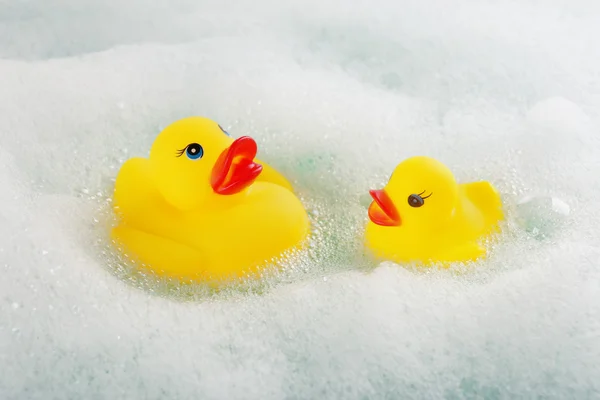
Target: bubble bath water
{"x":336,"y":94}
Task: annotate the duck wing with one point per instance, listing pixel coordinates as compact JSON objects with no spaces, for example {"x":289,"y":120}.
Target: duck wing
{"x":486,"y":198}
{"x":162,"y":255}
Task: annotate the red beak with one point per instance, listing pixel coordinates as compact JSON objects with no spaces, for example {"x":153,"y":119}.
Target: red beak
{"x":382,"y":211}
{"x":235,"y":168}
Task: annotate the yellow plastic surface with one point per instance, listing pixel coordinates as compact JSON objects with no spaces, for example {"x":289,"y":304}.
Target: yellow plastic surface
{"x":448,"y":227}
{"x":173,"y":222}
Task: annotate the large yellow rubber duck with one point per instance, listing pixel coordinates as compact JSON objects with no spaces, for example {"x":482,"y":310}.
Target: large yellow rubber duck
{"x":201,"y":208}
{"x":423,"y":215}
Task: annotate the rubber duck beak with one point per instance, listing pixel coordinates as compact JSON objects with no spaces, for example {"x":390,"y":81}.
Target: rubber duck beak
{"x":382,"y":210}
{"x":235,"y":168}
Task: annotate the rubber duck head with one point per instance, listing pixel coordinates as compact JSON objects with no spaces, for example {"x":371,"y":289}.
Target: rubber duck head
{"x":421,"y":194}
{"x":195,"y":158}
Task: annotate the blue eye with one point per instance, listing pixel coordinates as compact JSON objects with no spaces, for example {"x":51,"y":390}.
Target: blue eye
{"x":194,"y":151}
{"x":224,"y":131}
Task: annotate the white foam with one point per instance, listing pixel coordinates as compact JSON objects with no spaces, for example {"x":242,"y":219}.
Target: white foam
{"x":336,"y":94}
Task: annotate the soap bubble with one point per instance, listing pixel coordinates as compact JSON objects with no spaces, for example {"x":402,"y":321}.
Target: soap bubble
{"x":335,"y":94}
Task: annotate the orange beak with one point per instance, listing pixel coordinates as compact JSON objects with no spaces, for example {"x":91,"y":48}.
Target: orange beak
{"x":235,"y":168}
{"x":382,"y":210}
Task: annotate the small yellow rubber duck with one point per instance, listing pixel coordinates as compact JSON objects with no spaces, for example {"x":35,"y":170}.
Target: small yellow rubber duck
{"x":423,"y":215}
{"x":201,"y":208}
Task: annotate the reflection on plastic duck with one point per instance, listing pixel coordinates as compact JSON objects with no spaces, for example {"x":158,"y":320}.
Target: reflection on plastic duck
{"x":201,"y":208}
{"x":423,"y":215}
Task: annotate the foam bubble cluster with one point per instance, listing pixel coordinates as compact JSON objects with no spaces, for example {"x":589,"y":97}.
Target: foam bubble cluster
{"x":336,"y":94}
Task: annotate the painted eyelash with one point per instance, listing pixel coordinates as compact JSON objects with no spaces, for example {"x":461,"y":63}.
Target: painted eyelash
{"x":426,"y":197}
{"x":180,"y":152}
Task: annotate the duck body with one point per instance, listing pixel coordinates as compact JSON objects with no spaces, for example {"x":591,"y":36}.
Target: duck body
{"x":171,"y":226}
{"x":423,"y":215}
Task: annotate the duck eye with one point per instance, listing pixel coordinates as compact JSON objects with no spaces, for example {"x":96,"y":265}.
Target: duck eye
{"x":194,"y":151}
{"x":224,"y":131}
{"x":414,"y":200}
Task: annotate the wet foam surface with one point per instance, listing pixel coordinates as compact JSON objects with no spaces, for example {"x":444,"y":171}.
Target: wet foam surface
{"x":335,"y":95}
